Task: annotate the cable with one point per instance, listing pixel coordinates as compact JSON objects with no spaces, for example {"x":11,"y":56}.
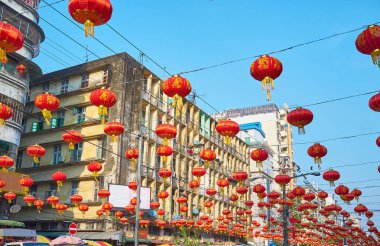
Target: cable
{"x":352,"y":165}
{"x":357,"y":182}
{"x":35,"y":9}
{"x":278,"y":51}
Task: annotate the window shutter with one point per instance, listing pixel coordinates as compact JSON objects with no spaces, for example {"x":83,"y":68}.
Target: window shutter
{"x":53,"y":123}
{"x":34,"y":126}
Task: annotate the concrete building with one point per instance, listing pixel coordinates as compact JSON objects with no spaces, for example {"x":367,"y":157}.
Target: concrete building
{"x":14,"y":87}
{"x":140,"y":102}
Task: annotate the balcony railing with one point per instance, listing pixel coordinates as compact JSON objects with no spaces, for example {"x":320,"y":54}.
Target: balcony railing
{"x":31,"y":3}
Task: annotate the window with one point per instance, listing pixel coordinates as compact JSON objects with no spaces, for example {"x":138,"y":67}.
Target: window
{"x":81,"y":114}
{"x":76,"y":153}
{"x":23,"y":124}
{"x":59,"y":121}
{"x":45,"y":87}
{"x":57,"y":157}
{"x":33,"y":190}
{"x":99,"y":149}
{"x":145,"y":85}
{"x":105,"y":76}
{"x":74,"y":187}
{"x":143,"y":118}
{"x":65,"y":86}
{"x":85,"y":80}
{"x":52,"y":191}
{"x":20,"y":153}
{"x":37,"y":126}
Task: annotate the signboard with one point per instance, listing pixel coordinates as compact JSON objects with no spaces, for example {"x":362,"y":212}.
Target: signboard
{"x":121,"y":195}
{"x":73,"y":228}
{"x":12,"y":181}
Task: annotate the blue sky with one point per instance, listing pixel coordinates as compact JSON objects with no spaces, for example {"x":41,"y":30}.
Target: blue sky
{"x":183,"y":35}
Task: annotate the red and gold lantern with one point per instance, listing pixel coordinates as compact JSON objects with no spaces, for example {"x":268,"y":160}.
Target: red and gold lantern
{"x":103,"y":99}
{"x":118,"y":214}
{"x":59,"y":177}
{"x":282,"y":180}
{"x":164,"y":151}
{"x":133,"y":185}
{"x":258,"y":188}
{"x":113,"y":129}
{"x":124,"y":220}
{"x":163,"y":195}
{"x":154,"y":205}
{"x":331,"y":176}
{"x":104,"y":194}
{"x":52,"y":200}
{"x":300,"y":117}
{"x":374,"y":102}
{"x":259,"y":155}
{"x":357,"y":193}
{"x":341,"y":190}
{"x":207,"y":155}
{"x":39,"y":204}
{"x":61,"y":208}
{"x":6,"y":162}
{"x":2,"y":185}
{"x":83,"y":207}
{"x":317,"y":151}
{"x":26,"y":182}
{"x":11,"y":40}
{"x":76,"y":199}
{"x":240,"y":176}
{"x":222,"y":183}
{"x":10,"y":196}
{"x":5,"y":113}
{"x":164,"y":173}
{"x":107,"y":207}
{"x":36,"y":151}
{"x":47,"y":103}
{"x":211,"y":191}
{"x":95,"y":168}
{"x":71,"y":137}
{"x":176,"y":87}
{"x":228,"y":129}
{"x":90,"y":13}
{"x":266,"y":69}
{"x":194,"y":184}
{"x":132,"y":155}
{"x":368,"y":43}
{"x":208,"y":204}
{"x":166,"y":132}
{"x":21,"y":69}
{"x":198,"y":172}
{"x":29,"y":199}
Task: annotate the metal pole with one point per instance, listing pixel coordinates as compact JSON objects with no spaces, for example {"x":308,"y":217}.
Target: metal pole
{"x":141,"y":134}
{"x":268,"y":213}
{"x":284,"y":217}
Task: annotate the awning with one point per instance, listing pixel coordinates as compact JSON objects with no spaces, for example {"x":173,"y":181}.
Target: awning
{"x":109,"y":235}
{"x":42,"y":239}
{"x":131,"y":240}
{"x":17,"y":233}
{"x":11,"y":223}
{"x":52,"y":234}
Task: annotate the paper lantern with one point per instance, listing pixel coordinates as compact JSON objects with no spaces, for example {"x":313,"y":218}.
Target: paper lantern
{"x":29,"y":199}
{"x":52,"y":200}
{"x":317,"y":151}
{"x":5,"y":113}
{"x":95,"y":168}
{"x":76,"y":199}
{"x":259,"y":155}
{"x":368,"y":43}
{"x":39,"y":204}
{"x":104,"y":194}
{"x":71,"y":137}
{"x":228,"y":129}
{"x":207,"y":155}
{"x":47,"y":103}
{"x":21,"y":69}
{"x":10,"y":196}
{"x":26,"y":182}
{"x":164,"y":151}
{"x":103,"y":99}
{"x":331,"y":176}
{"x":166,"y":132}
{"x":36,"y":151}
{"x":6,"y":162}
{"x":300,"y":117}
{"x":11,"y":39}
{"x":113,"y":129}
{"x":164,"y":173}
{"x":59,"y":177}
{"x":176,"y":87}
{"x":83,"y":208}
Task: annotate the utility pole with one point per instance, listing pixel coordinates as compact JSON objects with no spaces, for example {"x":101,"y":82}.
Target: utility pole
{"x":285,"y":219}
{"x":141,"y":141}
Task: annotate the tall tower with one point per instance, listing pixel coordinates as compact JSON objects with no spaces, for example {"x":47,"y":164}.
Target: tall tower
{"x":14,"y":87}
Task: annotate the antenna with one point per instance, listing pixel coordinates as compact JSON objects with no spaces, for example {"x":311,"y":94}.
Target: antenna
{"x":193,"y":96}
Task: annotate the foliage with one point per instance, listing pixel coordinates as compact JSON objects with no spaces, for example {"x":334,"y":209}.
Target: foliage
{"x":186,"y":238}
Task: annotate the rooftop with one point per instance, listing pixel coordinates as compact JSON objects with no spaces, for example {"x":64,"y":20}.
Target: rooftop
{"x":262,"y":109}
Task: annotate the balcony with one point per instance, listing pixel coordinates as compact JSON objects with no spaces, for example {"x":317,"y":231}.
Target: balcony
{"x":31,"y":3}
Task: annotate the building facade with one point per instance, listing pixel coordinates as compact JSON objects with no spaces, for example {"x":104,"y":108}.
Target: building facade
{"x":14,"y":87}
{"x":141,"y":104}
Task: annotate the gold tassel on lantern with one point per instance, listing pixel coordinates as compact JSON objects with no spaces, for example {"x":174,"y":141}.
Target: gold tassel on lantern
{"x":102,"y":112}
{"x":113,"y":138}
{"x":227,"y":140}
{"x":26,"y":189}
{"x":36,"y":160}
{"x":71,"y":146}
{"x":59,"y":184}
{"x":376,"y":57}
{"x":47,"y":116}
{"x":2,"y":55}
{"x":207,"y":164}
{"x":88,"y":28}
{"x":268,"y":85}
{"x":95,"y":175}
{"x":177,"y":104}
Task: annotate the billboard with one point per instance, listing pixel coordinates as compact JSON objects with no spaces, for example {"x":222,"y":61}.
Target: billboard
{"x":121,"y":195}
{"x":12,"y":181}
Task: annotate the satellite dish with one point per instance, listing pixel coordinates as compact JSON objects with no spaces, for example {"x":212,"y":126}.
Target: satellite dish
{"x":14,"y":209}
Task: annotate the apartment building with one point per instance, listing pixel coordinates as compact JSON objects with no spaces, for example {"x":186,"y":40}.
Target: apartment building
{"x":141,"y":106}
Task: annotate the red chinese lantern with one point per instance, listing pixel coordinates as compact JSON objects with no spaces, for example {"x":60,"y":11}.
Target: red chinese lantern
{"x":266,"y":69}
{"x":99,"y":213}
{"x":309,"y":197}
{"x":161,"y":224}
{"x":104,"y":194}
{"x":76,"y":199}
{"x":59,"y":177}
{"x":164,"y":151}
{"x":211,"y":191}
{"x":360,"y":209}
{"x":163,"y":195}
{"x":226,"y":212}
{"x":154,"y":205}
{"x":107,"y":207}
{"x":83,"y":208}
{"x":52,"y":200}
{"x":61,"y":208}
{"x":331,"y":176}
{"x":347,"y":198}
{"x":132,"y":185}
{"x":198,"y":172}
{"x":374,"y":102}
{"x":194,"y":184}
{"x":164,"y":173}
{"x":11,"y":40}
{"x":130,"y":208}
{"x":47,"y":103}
{"x":290,"y":195}
{"x":242,"y":191}
{"x":166,"y":132}
{"x":249,"y":203}
{"x":208,"y":204}
{"x":176,"y":87}
{"x":113,"y":129}
{"x":357,"y":193}
{"x":273,"y":195}
{"x":6,"y":162}
{"x":2,"y":184}
{"x":282,"y":180}
{"x":5,"y":113}
{"x":21,"y":69}
{"x":234,"y":198}
{"x":181,"y":200}
{"x":368,"y":43}
{"x":207,"y":155}
{"x":132,"y":155}
{"x":378,"y":141}
{"x":103,"y":99}
{"x":258,"y":188}
{"x":36,"y":151}
{"x":317,"y":151}
{"x":90,"y":13}
{"x":26,"y":182}
{"x":133,"y":201}
{"x":71,"y":137}
{"x":341,"y":190}
{"x":183,"y":209}
{"x":222,"y":183}
{"x":39,"y":204}
{"x":240,"y":176}
{"x":29,"y":199}
{"x":10,"y":196}
{"x":161,"y":212}
{"x":368,"y":214}
{"x":300,"y":117}
{"x":228,"y":129}
{"x":123,"y":220}
{"x":323,"y":195}
{"x":95,"y":168}
{"x":259,"y":155}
